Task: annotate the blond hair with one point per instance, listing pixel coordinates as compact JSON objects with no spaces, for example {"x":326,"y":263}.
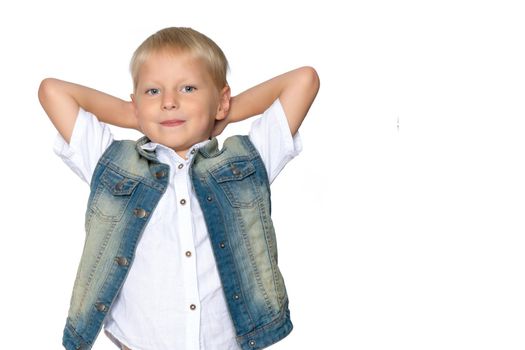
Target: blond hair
{"x":185,"y":39}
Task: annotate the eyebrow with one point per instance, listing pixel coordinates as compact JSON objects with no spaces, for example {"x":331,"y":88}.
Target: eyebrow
{"x":192,"y":80}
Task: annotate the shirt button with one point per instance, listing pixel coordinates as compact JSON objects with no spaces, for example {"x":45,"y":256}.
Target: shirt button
{"x":180,"y":166}
{"x":188,"y":253}
{"x":182,"y":201}
{"x":193,"y":151}
{"x":193,"y":307}
{"x":139,"y":212}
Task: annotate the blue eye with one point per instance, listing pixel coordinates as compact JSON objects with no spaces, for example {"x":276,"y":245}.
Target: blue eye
{"x":188,"y":88}
{"x":152,"y":91}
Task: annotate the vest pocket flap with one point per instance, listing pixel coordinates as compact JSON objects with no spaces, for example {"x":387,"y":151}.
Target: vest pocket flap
{"x":118,"y":185}
{"x":231,"y":171}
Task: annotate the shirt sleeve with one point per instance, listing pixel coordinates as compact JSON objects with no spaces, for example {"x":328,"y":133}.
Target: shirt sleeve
{"x":89,"y":140}
{"x":271,"y":136}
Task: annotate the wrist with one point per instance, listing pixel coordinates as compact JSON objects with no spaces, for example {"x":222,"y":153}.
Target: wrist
{"x":233,"y":112}
{"x":130,"y":116}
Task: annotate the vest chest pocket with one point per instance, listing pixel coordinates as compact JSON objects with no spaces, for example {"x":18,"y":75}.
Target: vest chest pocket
{"x":112,"y":195}
{"x":237,"y":180}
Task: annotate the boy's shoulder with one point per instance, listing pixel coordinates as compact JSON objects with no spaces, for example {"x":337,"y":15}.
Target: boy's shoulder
{"x":235,"y":146}
{"x":236,"y":159}
{"x":130,"y":160}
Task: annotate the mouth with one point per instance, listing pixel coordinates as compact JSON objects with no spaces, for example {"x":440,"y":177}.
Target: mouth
{"x":172,"y":122}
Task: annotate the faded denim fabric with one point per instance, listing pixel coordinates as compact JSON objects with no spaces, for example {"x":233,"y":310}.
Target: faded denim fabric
{"x":234,"y":194}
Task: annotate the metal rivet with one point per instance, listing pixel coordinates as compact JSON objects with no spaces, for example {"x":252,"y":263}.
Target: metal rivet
{"x":139,"y":212}
{"x":181,"y":166}
{"x":122,"y":261}
{"x":182,"y":201}
{"x":160,"y":174}
{"x":209,"y":198}
{"x":193,"y":307}
{"x":236,"y":171}
{"x":251,"y":342}
{"x":236,"y":297}
{"x":101,"y":307}
{"x":188,"y":253}
{"x":222,"y":245}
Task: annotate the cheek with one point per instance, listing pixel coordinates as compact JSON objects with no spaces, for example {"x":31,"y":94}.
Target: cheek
{"x":204,"y":123}
{"x":146,"y":113}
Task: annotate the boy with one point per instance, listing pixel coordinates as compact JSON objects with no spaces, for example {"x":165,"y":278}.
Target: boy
{"x":180,"y":250}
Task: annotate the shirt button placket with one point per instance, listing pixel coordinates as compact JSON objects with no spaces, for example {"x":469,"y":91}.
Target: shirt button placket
{"x":186,"y":250}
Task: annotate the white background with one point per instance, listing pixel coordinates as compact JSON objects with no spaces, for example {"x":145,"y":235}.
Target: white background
{"x":409,"y":238}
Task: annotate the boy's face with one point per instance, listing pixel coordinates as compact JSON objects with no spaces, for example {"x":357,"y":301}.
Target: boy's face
{"x":176,"y":102}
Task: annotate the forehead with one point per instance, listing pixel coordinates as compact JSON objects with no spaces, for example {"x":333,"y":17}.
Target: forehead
{"x":173,"y":64}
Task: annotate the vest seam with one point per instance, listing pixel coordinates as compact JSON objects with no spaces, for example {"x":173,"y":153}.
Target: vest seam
{"x":92,"y":272}
{"x":282,"y":315}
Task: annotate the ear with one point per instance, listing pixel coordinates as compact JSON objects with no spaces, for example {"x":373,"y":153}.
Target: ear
{"x":224,"y":103}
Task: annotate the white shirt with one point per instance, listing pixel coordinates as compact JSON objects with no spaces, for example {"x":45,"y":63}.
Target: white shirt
{"x":172,"y":297}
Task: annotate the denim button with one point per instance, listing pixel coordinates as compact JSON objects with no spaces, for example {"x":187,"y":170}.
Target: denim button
{"x":119,"y":186}
{"x":236,"y":171}
{"x":251,"y":343}
{"x":101,"y":307}
{"x":122,"y":261}
{"x":160,"y":174}
{"x":139,"y":212}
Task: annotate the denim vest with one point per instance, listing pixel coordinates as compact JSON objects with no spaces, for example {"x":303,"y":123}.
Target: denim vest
{"x":233,"y":191}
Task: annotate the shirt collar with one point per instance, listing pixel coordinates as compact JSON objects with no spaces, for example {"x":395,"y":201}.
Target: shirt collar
{"x":152,"y":146}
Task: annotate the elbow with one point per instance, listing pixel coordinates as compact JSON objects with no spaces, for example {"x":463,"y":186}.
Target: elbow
{"x":310,"y":78}
{"x":45,"y":89}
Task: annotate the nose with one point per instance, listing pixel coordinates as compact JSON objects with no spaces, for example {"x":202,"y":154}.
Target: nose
{"x":169,"y":103}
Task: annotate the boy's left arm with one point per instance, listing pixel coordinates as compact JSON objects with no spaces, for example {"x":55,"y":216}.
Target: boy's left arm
{"x":295,"y":89}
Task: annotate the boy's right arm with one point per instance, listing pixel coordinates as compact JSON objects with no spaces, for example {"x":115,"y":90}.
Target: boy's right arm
{"x":61,"y":101}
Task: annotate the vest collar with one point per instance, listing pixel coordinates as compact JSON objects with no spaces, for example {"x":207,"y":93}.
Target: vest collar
{"x":210,"y":149}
